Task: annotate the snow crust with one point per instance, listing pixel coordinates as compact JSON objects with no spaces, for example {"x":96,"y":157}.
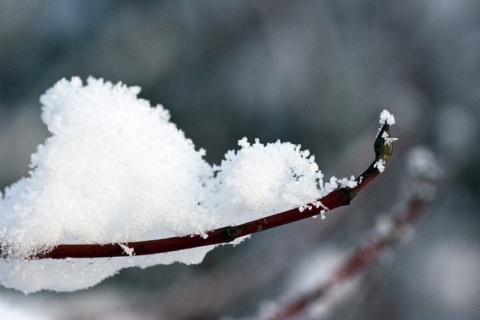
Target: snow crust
{"x":116,"y":169}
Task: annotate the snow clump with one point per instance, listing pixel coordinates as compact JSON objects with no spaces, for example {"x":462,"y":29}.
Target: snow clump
{"x":117,"y":170}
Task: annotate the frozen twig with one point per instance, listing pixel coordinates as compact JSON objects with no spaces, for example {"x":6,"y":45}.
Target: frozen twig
{"x":337,"y":198}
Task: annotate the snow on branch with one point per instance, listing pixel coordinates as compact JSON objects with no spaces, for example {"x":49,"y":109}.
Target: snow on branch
{"x":116,"y":171}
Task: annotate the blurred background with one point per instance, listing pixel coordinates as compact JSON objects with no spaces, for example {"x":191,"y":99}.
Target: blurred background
{"x":315,"y":73}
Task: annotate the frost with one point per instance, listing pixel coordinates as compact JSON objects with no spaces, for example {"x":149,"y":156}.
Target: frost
{"x":380,"y":165}
{"x":127,"y":249}
{"x":388,"y":140}
{"x":386,"y":118}
{"x":117,"y":170}
{"x":322,"y":213}
{"x":348,"y":183}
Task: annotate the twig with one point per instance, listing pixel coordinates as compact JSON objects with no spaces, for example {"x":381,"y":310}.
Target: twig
{"x":367,"y":254}
{"x":354,"y":264}
{"x":337,"y":198}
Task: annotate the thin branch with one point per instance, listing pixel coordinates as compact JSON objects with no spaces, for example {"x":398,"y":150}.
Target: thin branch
{"x":337,"y":198}
{"x":358,"y":261}
{"x":354,"y":264}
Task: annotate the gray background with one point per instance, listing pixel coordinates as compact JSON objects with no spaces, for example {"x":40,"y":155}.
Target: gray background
{"x":315,"y":73}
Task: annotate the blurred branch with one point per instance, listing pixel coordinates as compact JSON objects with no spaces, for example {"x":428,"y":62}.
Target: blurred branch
{"x":384,"y":236}
{"x":337,"y":198}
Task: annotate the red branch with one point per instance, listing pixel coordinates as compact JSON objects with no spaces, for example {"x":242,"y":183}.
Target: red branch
{"x":337,"y":198}
{"x":333,"y":200}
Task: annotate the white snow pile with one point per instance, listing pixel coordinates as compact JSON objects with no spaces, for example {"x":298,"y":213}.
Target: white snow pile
{"x":116,"y":169}
{"x":387,"y":117}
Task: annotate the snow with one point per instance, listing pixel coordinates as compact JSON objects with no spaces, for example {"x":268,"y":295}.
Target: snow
{"x":127,"y":249}
{"x":380,"y":165}
{"x":387,"y":117}
{"x":267,"y":178}
{"x":388,"y":139}
{"x":115,"y":169}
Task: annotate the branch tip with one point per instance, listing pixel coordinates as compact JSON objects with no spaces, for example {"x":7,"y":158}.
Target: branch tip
{"x":383,"y":145}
